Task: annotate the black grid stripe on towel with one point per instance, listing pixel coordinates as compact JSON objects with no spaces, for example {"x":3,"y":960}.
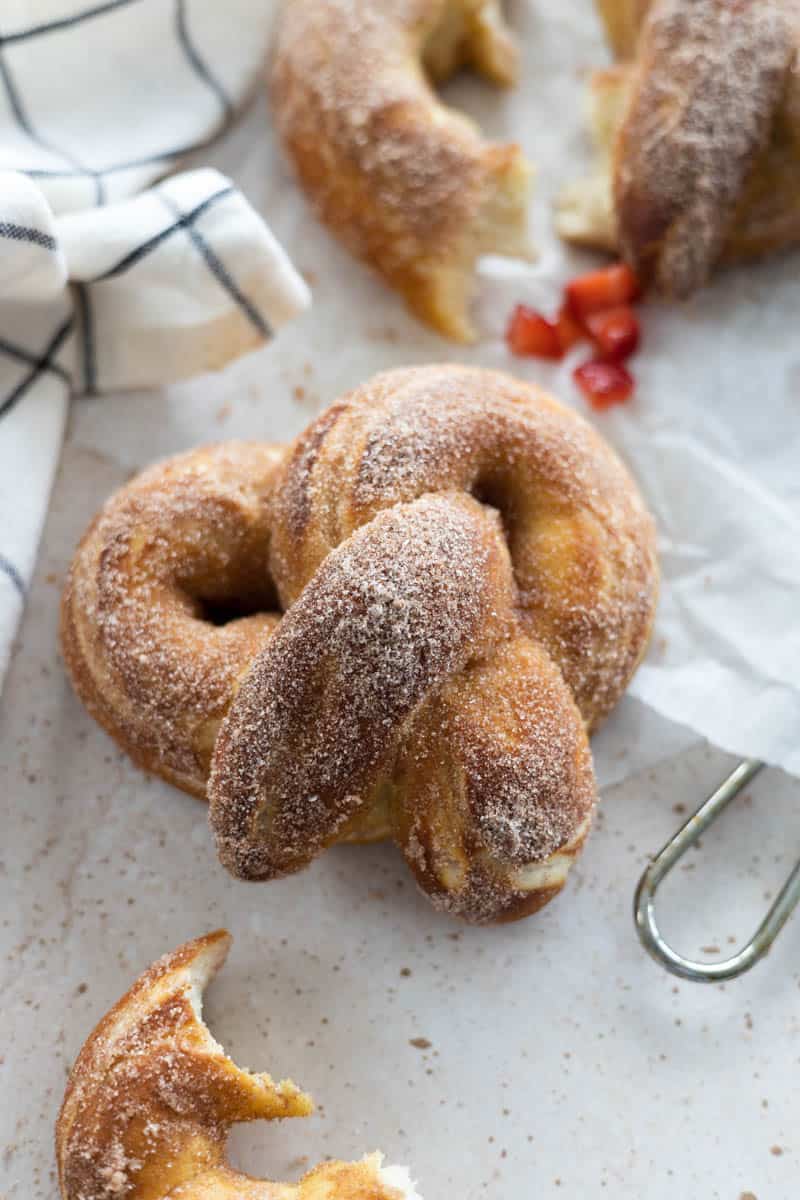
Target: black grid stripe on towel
{"x":38,"y":365}
{"x":23,"y":233}
{"x":220,"y":271}
{"x":86,"y":316}
{"x":83,"y":298}
{"x":8,"y":569}
{"x":140,"y":252}
{"x":198,"y":63}
{"x":26,"y":127}
{"x":73,"y":167}
{"x":35,"y":31}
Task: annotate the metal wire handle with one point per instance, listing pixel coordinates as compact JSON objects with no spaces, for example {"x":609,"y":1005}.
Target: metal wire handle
{"x":665,"y":860}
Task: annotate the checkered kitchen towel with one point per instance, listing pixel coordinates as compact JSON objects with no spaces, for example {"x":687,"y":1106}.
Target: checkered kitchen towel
{"x":103,"y":284}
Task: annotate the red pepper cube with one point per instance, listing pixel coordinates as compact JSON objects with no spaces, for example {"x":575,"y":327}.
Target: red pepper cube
{"x":607,"y":288}
{"x":604,"y":384}
{"x":529,"y":333}
{"x":614,"y":331}
{"x":569,"y":330}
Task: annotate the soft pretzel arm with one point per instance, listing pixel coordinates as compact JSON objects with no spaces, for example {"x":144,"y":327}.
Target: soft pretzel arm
{"x":152,"y":1096}
{"x":697,"y":140}
{"x":408,"y":184}
{"x":708,"y":80}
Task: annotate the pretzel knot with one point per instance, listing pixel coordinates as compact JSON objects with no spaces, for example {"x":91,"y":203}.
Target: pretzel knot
{"x":468,"y":580}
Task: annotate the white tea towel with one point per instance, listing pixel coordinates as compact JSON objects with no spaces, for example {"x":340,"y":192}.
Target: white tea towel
{"x":102,"y":285}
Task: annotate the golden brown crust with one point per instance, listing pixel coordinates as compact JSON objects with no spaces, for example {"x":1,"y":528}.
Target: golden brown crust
{"x":407,"y":184}
{"x":437,"y":658}
{"x":623,"y":20}
{"x":698,"y":142}
{"x":469,"y":580}
{"x":179,"y":542}
{"x":390,"y":614}
{"x":581,"y":540}
{"x":707,"y":82}
{"x":152,"y":1097}
{"x":495,"y":790}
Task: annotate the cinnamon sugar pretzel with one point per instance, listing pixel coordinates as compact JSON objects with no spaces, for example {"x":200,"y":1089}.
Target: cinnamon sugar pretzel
{"x":468,"y":579}
{"x":152,"y":1097}
{"x":408,"y":185}
{"x":697,"y":131}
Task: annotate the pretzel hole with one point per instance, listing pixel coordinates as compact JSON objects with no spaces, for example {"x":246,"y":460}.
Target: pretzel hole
{"x":495,"y":493}
{"x":245,"y":590}
{"x":222,"y":610}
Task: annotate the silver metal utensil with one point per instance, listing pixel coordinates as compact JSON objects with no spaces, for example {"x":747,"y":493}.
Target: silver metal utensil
{"x":644,"y":900}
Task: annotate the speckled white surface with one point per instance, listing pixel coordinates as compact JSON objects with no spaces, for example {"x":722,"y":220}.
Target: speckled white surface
{"x":548,"y":1051}
{"x":545,"y":1059}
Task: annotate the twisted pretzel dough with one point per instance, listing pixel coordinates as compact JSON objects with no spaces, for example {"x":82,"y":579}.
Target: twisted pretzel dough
{"x":697,"y":137}
{"x":407,"y":184}
{"x":152,"y":1097}
{"x":469,"y":580}
{"x":186,"y":543}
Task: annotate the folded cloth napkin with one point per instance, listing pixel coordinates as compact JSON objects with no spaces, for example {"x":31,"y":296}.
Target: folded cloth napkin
{"x":104,"y":285}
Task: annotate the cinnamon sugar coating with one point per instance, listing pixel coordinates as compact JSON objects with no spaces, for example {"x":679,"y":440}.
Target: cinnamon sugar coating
{"x":183,"y":540}
{"x":698,"y":138}
{"x":152,"y":1097}
{"x":468,"y":578}
{"x":408,"y":185}
{"x":707,"y":83}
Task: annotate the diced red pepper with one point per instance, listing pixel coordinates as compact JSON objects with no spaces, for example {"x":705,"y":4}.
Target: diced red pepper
{"x":607,"y":288}
{"x":614,"y":331}
{"x":569,"y":329}
{"x":529,"y":333}
{"x":604,"y":384}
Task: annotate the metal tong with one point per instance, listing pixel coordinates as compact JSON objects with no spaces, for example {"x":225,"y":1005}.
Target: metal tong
{"x":660,"y":866}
